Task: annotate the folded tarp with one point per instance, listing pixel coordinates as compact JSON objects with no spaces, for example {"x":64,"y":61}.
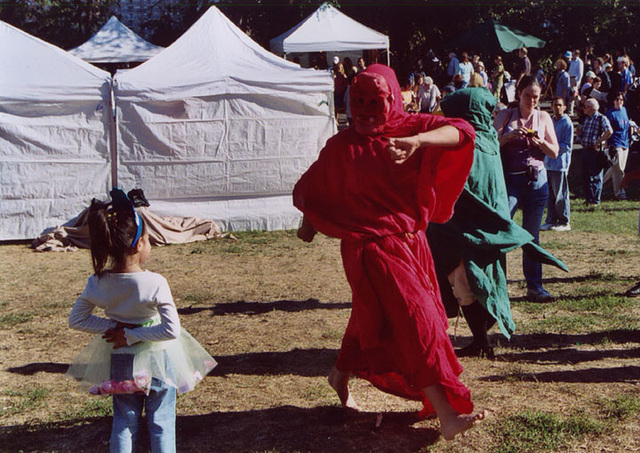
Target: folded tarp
{"x":161,"y":230}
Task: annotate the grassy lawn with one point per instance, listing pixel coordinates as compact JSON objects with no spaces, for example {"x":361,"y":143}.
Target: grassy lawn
{"x":272,"y":311}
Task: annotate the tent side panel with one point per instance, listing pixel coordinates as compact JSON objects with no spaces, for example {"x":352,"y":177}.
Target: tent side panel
{"x":220,"y":150}
{"x":54,"y":159}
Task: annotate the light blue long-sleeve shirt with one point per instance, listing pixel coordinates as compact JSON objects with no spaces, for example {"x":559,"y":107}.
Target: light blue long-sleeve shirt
{"x":564,"y":133}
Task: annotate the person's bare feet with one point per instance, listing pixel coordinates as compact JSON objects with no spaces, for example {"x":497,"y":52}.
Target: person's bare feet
{"x":455,"y":423}
{"x":339,"y":381}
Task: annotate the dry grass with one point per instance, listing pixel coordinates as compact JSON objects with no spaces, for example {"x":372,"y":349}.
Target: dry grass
{"x":272,"y":311}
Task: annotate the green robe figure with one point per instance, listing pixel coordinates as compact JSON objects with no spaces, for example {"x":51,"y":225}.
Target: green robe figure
{"x":469,"y":250}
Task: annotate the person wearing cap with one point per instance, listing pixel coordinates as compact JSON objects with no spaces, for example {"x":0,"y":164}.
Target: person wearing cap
{"x":621,"y":78}
{"x":588,"y":82}
{"x":563,"y":84}
{"x":480,"y":69}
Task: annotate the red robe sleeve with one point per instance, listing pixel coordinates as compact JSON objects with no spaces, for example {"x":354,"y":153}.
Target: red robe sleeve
{"x":354,"y":190}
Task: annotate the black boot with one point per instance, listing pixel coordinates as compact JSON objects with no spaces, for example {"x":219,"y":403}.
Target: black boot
{"x":479,"y":321}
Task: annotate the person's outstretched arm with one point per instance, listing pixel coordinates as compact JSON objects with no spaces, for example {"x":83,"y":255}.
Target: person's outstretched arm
{"x":401,"y":148}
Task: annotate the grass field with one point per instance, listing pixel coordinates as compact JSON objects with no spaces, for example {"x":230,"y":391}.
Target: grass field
{"x":272,"y":311}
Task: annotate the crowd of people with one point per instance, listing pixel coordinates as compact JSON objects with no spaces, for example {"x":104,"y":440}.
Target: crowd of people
{"x":588,"y":108}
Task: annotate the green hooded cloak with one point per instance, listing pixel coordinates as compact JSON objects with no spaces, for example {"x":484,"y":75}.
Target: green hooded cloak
{"x":481,"y":231}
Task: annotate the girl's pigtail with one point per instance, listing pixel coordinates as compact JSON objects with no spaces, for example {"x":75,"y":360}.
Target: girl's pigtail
{"x":99,"y":235}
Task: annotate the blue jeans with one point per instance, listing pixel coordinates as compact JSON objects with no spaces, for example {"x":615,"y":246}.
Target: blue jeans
{"x":531,"y":197}
{"x":558,"y":210}
{"x":592,"y":175}
{"x":159,"y":405}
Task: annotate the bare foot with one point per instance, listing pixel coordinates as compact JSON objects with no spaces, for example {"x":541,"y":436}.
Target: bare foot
{"x":339,"y":381}
{"x":458,"y":423}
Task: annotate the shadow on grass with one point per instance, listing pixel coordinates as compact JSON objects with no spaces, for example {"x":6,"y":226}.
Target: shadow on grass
{"x":583,"y":208}
{"x":591,"y":295}
{"x":284,"y":428}
{"x":569,"y":356}
{"x":86,"y":435}
{"x":581,"y":279}
{"x":46,"y":367}
{"x":559,"y":340}
{"x":591,"y":375}
{"x":299,"y":362}
{"x":256,"y":308}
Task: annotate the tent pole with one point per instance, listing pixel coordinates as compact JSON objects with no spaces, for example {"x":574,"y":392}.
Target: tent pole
{"x":388,"y":58}
{"x":113,"y":148}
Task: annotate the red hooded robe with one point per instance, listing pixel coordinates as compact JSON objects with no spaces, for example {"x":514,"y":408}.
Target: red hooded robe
{"x":396,"y":337}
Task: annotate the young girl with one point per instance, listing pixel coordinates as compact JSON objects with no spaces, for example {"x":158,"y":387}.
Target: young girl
{"x":141,"y":355}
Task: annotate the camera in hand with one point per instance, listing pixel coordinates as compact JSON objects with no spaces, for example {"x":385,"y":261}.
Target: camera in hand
{"x":531,"y":133}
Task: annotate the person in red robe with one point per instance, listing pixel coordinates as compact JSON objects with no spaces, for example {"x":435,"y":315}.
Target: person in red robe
{"x":376,"y":185}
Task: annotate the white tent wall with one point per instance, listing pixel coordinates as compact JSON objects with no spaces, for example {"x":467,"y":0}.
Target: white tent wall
{"x":219,"y":152}
{"x":54,"y":127}
{"x":215,"y":126}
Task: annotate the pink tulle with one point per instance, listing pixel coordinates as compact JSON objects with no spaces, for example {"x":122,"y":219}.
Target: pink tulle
{"x":139,"y":384}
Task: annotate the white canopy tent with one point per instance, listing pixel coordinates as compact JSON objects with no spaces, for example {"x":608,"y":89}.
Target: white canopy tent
{"x":115,"y":43}
{"x":215,"y":126}
{"x":54,"y":130}
{"x":329,"y":30}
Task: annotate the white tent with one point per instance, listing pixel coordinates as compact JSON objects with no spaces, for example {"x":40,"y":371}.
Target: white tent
{"x":328,"y":30}
{"x":115,"y":43}
{"x":54,"y":127}
{"x":216,"y":127}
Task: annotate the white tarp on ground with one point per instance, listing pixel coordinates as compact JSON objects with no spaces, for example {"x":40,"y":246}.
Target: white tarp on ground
{"x":328,"y":29}
{"x":216,"y":127}
{"x":115,"y":43}
{"x":54,"y":127}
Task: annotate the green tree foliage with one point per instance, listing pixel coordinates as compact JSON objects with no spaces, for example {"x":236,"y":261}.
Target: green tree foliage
{"x":413,"y":26}
{"x":65,"y":23}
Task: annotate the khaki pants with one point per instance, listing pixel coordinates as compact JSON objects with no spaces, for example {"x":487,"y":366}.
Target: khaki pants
{"x":615,"y":173}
